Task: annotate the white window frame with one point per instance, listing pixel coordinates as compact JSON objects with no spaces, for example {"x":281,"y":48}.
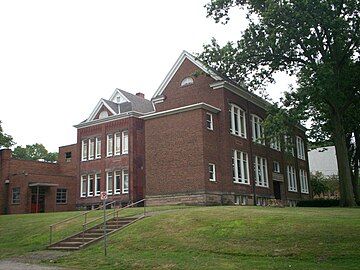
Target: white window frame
{"x":300,"y":147}
{"x":125,"y":172}
{"x":187,"y":81}
{"x":237,"y":121}
{"x":257,"y":129}
{"x":275,"y":144}
{"x":90,"y":185}
{"x":109,"y":190}
{"x":212,"y":172}
{"x":289,"y":140}
{"x":83,"y":179}
{"x":261,"y":172}
{"x":96,"y":181}
{"x":109,"y":145}
{"x":97,"y":148}
{"x":304,"y":184}
{"x":209,"y":122}
{"x":240,"y":160}
{"x":84,"y":150}
{"x":91,"y":149}
{"x":125,"y":142}
{"x":117,"y":144}
{"x":117,"y":188}
{"x":276,"y":169}
{"x":291,"y":176}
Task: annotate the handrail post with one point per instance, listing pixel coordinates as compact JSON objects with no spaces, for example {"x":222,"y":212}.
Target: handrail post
{"x":144,"y":208}
{"x":114,"y":208}
{"x":51,"y":228}
{"x":85,"y":217}
{"x":83,"y":234}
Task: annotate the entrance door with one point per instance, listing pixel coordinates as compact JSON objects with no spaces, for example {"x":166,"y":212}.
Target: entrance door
{"x":277,"y":190}
{"x":37,"y":200}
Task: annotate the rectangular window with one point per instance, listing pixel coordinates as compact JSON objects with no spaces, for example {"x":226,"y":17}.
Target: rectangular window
{"x":261,"y":173}
{"x":98,"y":148}
{"x":61,"y":196}
{"x":117,"y":143}
{"x":304,"y":185}
{"x":16,"y":195}
{"x":90,"y":187}
{"x":241,"y":200}
{"x":109,"y":183}
{"x":209,"y":121}
{"x":237,"y":121}
{"x":125,"y":181}
{"x":117,"y":183}
{"x":275,"y":144}
{"x":97,"y":184}
{"x":291,"y":175}
{"x":276,"y":167}
{"x":212,"y":172}
{"x":289,"y":145}
{"x":83,"y":186}
{"x":91,"y":149}
{"x":109,"y":145}
{"x":257,"y":129}
{"x":300,"y":147}
{"x":84,"y":150}
{"x":68,"y":156}
{"x":240,"y":167}
{"x":125,"y":142}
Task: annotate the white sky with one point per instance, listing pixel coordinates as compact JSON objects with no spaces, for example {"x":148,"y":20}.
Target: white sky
{"x":58,"y":58}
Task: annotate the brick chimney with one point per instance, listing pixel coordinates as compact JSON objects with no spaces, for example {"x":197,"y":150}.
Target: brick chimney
{"x":139,"y":94}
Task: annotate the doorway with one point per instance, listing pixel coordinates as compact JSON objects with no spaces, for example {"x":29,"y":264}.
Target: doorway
{"x":277,"y":190}
{"x":37,"y":200}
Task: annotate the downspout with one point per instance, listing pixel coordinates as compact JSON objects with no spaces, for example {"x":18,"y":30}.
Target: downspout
{"x":251,"y":163}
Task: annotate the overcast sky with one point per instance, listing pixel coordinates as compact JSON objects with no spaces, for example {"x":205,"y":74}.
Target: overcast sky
{"x":58,"y":58}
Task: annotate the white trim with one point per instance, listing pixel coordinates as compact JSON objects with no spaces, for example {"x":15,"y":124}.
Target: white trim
{"x":261,"y":172}
{"x":184,"y":55}
{"x":109,"y":147}
{"x":117,"y":189}
{"x":191,"y":107}
{"x":90,"y":185}
{"x":83,"y":178}
{"x":117,"y":91}
{"x":244,"y":158}
{"x":97,"y":108}
{"x":97,"y":148}
{"x":240,"y":119}
{"x":291,"y":176}
{"x":116,"y":141}
{"x":211,"y":122}
{"x":125,"y":142}
{"x":96,"y":181}
{"x":123,"y":182}
{"x":108,"y":190}
{"x":213,"y":171}
{"x":158,"y":100}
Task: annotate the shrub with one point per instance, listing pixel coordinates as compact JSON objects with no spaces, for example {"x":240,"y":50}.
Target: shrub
{"x":319,"y":203}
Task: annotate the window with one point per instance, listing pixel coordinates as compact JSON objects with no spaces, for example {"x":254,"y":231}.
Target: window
{"x":291,"y":175}
{"x":261,"y":173}
{"x":90,"y":187}
{"x":212,"y":172}
{"x":275,"y":144}
{"x":68,"y":156}
{"x":187,"y":81}
{"x":304,"y":185}
{"x":276,"y":167}
{"x":300,"y":148}
{"x":91,"y":149}
{"x":109,"y":183}
{"x":257,"y":129}
{"x":237,"y":121}
{"x":117,"y":143}
{"x":117,"y":188}
{"x":125,"y":181}
{"x":289,"y":145}
{"x":61,"y":196}
{"x":261,"y":201}
{"x":241,"y":200}
{"x":16,"y":195}
{"x":84,"y":150}
{"x":109,"y":144}
{"x":97,"y":184}
{"x":103,"y":115}
{"x":98,"y":148}
{"x":240,"y":167}
{"x":125,"y":142}
{"x":209,"y":121}
{"x":83,"y":186}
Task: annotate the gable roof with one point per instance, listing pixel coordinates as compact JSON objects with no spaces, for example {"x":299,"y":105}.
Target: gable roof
{"x":138,"y":104}
{"x":98,"y":106}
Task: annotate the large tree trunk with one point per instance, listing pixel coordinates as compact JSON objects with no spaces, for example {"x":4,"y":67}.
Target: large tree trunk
{"x":345,"y":184}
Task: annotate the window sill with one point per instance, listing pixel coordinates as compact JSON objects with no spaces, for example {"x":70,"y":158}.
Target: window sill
{"x":248,"y":184}
{"x":15,"y":203}
{"x":61,"y":203}
{"x":238,"y":136}
{"x":295,"y":191}
{"x":302,"y":192}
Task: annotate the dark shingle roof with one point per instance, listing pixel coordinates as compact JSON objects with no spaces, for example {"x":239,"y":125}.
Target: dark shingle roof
{"x":138,"y":104}
{"x":114,"y":106}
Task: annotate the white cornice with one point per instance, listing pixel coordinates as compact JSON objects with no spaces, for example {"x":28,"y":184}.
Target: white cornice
{"x":97,"y":108}
{"x":191,"y":107}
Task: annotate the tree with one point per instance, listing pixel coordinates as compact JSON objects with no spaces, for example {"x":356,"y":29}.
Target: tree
{"x":6,"y":140}
{"x":318,"y":41}
{"x":318,"y":184}
{"x":34,"y":152}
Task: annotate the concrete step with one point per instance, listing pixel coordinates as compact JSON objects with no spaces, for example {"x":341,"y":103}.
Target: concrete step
{"x":101,"y":231}
{"x":80,"y":239}
{"x":69,"y":244}
{"x":63,"y":248}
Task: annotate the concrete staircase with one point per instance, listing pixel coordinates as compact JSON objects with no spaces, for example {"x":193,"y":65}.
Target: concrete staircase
{"x":91,"y":235}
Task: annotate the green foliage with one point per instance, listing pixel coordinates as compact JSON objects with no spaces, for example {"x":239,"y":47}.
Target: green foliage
{"x":6,"y":140}
{"x":319,"y":203}
{"x":318,"y":184}
{"x":34,"y":152}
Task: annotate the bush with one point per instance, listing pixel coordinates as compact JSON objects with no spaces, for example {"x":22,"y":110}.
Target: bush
{"x":319,"y":203}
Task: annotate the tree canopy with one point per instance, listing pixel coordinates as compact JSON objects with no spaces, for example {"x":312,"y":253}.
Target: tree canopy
{"x":34,"y":152}
{"x":318,"y":41}
{"x":6,"y":140}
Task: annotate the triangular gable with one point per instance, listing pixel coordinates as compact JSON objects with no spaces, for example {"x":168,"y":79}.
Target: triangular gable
{"x":184,"y":55}
{"x":97,"y":109}
{"x":117,"y":94}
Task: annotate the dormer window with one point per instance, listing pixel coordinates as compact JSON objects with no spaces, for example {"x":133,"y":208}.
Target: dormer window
{"x":103,"y":114}
{"x":187,"y":81}
{"x":118,"y":99}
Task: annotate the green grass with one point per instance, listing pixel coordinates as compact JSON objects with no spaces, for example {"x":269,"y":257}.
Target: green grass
{"x":216,"y":238}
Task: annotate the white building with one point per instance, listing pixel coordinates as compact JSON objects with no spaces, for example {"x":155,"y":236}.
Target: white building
{"x":323,"y":160}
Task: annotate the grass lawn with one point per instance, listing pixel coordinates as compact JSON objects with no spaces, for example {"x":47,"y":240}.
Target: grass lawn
{"x":225,"y":237}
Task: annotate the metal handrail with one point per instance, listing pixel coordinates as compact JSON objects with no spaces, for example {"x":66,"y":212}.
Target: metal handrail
{"x":52,"y":226}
